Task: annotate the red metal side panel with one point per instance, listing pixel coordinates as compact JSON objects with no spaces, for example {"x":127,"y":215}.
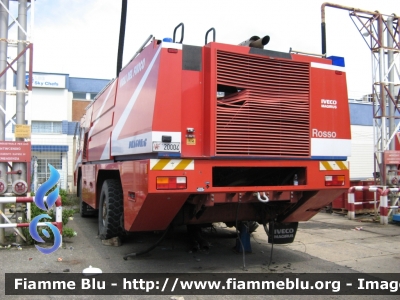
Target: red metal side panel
{"x":140,"y":118}
{"x":105,"y":122}
{"x":102,"y":124}
{"x":134,"y":185}
{"x":89,"y":184}
{"x":330,"y":119}
{"x":99,"y":146}
{"x":105,"y":101}
{"x":167,"y":107}
{"x":330,"y":109}
{"x":137,"y":89}
{"x":144,"y":212}
{"x":192,"y":113}
{"x":100,"y":132}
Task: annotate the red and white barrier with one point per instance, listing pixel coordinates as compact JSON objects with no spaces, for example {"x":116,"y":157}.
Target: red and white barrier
{"x":384,"y":208}
{"x":351,"y":213}
{"x":58,"y":223}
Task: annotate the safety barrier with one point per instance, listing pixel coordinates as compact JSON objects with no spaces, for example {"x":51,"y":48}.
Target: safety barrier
{"x":383,"y":202}
{"x":58,"y":223}
{"x":385,"y":209}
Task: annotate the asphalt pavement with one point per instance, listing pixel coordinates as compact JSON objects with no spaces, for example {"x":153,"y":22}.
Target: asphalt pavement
{"x":329,"y":243}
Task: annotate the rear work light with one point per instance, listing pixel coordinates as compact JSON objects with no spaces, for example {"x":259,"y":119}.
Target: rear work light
{"x":334,"y":180}
{"x":171,"y":183}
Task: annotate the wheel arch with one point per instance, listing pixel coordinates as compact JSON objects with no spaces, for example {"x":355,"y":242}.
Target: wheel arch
{"x":101,"y":177}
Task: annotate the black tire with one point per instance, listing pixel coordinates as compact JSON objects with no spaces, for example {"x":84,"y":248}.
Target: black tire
{"x":85,"y":210}
{"x":110,"y":209}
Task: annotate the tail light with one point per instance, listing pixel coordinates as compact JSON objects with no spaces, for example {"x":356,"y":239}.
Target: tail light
{"x":171,"y":183}
{"x":334,"y":180}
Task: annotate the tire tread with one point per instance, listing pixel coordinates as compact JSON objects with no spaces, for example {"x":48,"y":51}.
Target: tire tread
{"x":112,"y":228}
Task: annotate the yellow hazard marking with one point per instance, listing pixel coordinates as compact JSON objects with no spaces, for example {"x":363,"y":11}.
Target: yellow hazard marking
{"x":342,"y":165}
{"x":171,"y":164}
{"x":160,"y":164}
{"x":183,"y":164}
{"x":333,"y":165}
{"x":325,"y":165}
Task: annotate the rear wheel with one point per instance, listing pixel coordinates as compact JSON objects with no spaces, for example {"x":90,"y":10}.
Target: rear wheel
{"x":111,"y":209}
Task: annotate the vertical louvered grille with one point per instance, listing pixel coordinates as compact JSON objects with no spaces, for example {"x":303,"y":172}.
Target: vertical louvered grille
{"x":269,"y":116}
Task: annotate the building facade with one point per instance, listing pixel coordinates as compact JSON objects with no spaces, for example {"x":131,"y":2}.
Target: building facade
{"x":53,"y":110}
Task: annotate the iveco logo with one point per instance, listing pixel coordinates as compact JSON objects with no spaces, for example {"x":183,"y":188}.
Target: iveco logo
{"x":284,"y":230}
{"x":137,"y":143}
{"x":326,"y":103}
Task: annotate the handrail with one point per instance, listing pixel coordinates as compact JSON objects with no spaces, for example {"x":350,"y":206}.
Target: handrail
{"x":182,"y":32}
{"x":208,"y":31}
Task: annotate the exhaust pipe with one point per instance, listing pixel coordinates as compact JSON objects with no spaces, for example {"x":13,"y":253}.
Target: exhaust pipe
{"x":256,"y":42}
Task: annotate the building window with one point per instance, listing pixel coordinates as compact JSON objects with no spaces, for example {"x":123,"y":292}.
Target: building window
{"x":43,"y":171}
{"x":46,"y":127}
{"x":79,"y":96}
{"x":93,"y":95}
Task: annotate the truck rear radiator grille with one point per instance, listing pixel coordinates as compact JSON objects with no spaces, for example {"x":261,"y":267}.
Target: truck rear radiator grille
{"x":269,"y":116}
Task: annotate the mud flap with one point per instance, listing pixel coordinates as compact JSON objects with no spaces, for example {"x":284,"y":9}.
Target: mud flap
{"x":282,"y":233}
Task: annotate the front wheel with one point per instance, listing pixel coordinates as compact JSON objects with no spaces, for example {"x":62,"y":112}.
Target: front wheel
{"x":110,"y":209}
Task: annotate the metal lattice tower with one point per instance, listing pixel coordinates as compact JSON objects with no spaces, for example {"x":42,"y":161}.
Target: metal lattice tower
{"x":382,"y":35}
{"x":16,"y":65}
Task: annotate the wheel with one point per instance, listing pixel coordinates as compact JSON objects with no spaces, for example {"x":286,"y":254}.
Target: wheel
{"x":85,"y":210}
{"x":110,"y":209}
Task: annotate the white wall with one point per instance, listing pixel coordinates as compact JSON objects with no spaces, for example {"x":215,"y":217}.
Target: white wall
{"x":362,"y":152}
{"x":50,"y":105}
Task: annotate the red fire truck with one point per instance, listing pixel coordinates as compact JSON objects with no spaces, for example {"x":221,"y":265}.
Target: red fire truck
{"x":215,"y":133}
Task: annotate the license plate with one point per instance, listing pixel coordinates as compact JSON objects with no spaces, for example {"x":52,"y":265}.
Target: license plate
{"x":166,"y":147}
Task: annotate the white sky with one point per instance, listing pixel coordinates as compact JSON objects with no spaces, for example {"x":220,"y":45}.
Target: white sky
{"x":80,"y":37}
